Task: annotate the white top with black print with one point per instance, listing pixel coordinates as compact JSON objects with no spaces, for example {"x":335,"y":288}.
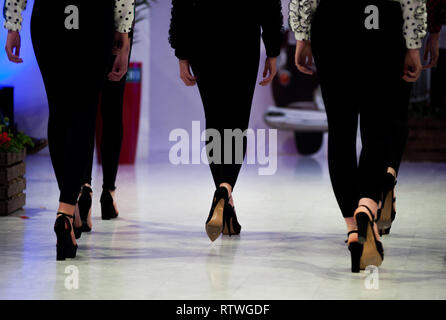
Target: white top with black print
{"x":124,"y":14}
{"x":414,"y":13}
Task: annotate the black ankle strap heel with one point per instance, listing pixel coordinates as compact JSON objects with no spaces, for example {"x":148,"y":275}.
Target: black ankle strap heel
{"x":65,"y":247}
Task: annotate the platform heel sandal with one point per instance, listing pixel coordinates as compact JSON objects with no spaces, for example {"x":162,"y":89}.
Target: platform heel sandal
{"x":65,"y":247}
{"x":373,"y":252}
{"x":214,"y":223}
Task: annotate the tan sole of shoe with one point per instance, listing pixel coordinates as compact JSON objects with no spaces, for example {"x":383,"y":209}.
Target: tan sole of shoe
{"x":385,"y":221}
{"x":370,"y":255}
{"x":215,"y":225}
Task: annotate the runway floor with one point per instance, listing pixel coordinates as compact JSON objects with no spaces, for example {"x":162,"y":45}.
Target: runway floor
{"x":291,"y":246}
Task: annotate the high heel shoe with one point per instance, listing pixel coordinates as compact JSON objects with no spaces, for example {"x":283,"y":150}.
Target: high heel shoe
{"x":216,"y":219}
{"x":232,"y":226}
{"x":65,"y":246}
{"x":84,"y":204}
{"x":108,"y":210}
{"x":387,"y":213}
{"x":373,"y":252}
{"x":77,"y":231}
{"x":355,"y":249}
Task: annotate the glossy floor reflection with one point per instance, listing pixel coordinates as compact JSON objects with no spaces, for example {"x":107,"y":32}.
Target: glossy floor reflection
{"x":291,"y":247}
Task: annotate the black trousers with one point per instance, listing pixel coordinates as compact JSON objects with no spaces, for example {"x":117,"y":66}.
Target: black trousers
{"x":360,"y":72}
{"x":226,"y":83}
{"x":73,"y":63}
{"x":112,"y":101}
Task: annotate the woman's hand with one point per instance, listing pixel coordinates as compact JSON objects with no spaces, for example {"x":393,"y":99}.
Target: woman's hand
{"x":271,"y":69}
{"x":432,"y":49}
{"x":304,"y":57}
{"x":13,"y":47}
{"x":185,"y":74}
{"x":412,"y":65}
{"x":121,"y":49}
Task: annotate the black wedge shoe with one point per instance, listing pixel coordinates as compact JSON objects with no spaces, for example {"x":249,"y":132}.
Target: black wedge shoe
{"x":216,"y":219}
{"x":84,"y":204}
{"x":232,"y":226}
{"x":387,"y":213}
{"x":108,"y":210}
{"x":355,"y":249}
{"x":373,"y":252}
{"x":65,"y":246}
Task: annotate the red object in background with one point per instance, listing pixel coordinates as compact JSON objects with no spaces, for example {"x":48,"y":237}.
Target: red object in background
{"x":131,"y":113}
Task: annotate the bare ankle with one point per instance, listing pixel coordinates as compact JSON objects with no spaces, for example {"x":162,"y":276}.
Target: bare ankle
{"x":228,"y":187}
{"x":391,"y":171}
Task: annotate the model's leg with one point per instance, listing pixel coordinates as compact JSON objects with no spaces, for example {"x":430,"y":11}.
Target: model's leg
{"x":81,"y":53}
{"x":339,"y":97}
{"x":112,"y":133}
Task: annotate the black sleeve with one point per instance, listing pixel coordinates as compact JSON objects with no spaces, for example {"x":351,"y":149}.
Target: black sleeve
{"x":179,"y":33}
{"x":272,"y":26}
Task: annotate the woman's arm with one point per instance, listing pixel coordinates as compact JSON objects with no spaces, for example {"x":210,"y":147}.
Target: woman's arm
{"x":124,"y":19}
{"x":124,"y":15}
{"x":414,"y":31}
{"x":436,"y":17}
{"x":12,"y":12}
{"x":301,"y":13}
{"x":179,"y":28}
{"x":272,"y":26}
{"x":415,"y":22}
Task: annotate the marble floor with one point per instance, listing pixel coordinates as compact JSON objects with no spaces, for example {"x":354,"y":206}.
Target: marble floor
{"x":291,"y":246}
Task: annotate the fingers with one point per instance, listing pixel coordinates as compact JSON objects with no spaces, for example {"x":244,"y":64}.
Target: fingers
{"x":185,"y":74}
{"x":10,"y":53}
{"x":302,"y":66}
{"x":188,"y":79}
{"x":412,"y":76}
{"x":119,"y":69}
{"x":271,"y":69}
{"x":409,"y":79}
{"x":302,"y":63}
{"x":431,"y":64}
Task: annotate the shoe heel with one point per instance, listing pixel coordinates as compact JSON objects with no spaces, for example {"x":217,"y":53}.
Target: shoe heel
{"x":107,"y":210}
{"x":362,"y":220}
{"x":59,"y":229}
{"x":104,"y":212}
{"x":60,"y":254}
{"x":227,"y":220}
{"x":356,"y":252}
{"x":84,"y":204}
